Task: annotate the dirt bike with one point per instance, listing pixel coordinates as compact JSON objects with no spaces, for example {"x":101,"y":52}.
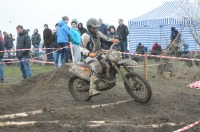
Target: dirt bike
{"x":136,"y":86}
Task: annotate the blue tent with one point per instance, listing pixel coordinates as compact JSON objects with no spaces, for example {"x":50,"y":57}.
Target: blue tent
{"x":156,"y":25}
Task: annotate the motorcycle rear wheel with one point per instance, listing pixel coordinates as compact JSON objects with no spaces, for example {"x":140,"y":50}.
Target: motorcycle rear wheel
{"x":75,"y":86}
{"x":140,"y":90}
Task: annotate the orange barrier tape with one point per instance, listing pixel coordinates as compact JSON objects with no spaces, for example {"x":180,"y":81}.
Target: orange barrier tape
{"x":44,"y":62}
{"x":161,"y":56}
{"x":143,"y":65}
{"x":14,"y":50}
{"x":11,"y":61}
{"x":188,"y":127}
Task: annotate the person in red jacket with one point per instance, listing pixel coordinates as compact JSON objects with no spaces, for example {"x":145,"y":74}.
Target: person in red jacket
{"x":156,"y":49}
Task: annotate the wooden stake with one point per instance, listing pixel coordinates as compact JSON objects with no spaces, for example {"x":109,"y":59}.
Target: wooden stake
{"x":72,"y":52}
{"x":145,"y":66}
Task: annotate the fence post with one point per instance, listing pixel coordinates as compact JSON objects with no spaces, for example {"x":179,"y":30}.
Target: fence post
{"x":145,"y":66}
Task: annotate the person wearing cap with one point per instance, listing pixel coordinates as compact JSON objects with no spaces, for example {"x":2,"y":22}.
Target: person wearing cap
{"x":91,"y":43}
{"x":63,"y":39}
{"x":47,"y":36}
{"x":75,"y":38}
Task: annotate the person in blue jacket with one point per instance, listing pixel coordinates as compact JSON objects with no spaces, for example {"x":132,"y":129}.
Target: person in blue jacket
{"x":63,"y":39}
{"x":75,"y":38}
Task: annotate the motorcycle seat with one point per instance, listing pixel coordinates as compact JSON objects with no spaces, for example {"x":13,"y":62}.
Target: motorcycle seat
{"x":83,"y":64}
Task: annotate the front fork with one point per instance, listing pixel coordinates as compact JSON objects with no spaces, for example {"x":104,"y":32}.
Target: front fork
{"x":122,"y":74}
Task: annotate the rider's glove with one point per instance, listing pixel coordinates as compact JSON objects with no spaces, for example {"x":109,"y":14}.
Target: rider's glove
{"x":116,"y":41}
{"x":92,"y":55}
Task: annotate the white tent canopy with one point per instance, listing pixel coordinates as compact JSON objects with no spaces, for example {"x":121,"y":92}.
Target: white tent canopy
{"x":156,"y":24}
{"x":171,"y":12}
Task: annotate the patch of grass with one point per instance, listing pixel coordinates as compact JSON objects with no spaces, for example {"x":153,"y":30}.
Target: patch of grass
{"x":13,"y":74}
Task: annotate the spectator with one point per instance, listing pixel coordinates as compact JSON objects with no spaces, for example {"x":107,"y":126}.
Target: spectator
{"x":175,"y":35}
{"x":81,"y":29}
{"x":123,"y":32}
{"x":1,"y":62}
{"x":7,"y":43}
{"x":112,"y":34}
{"x":103,"y":28}
{"x":12,"y":38}
{"x":140,"y":49}
{"x":63,"y":39}
{"x":36,"y":38}
{"x":23,"y":42}
{"x":156,"y":49}
{"x":12,"y":41}
{"x":75,"y":38}
{"x":75,"y":20}
{"x":108,"y":31}
{"x":56,"y":52}
{"x":184,"y":48}
{"x":1,"y":37}
{"x":47,"y":36}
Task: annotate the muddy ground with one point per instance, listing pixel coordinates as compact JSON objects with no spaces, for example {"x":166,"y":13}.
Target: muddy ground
{"x":43,"y":103}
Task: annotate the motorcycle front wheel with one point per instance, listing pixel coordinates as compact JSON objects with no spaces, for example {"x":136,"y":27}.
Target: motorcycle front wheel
{"x":79,"y":88}
{"x":141,"y":90}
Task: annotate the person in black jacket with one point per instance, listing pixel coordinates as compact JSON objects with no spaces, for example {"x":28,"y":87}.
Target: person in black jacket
{"x":7,"y":43}
{"x":123,"y":31}
{"x":23,"y":42}
{"x":175,"y":35}
{"x":56,"y":52}
{"x":103,"y":27}
{"x":1,"y":62}
{"x":81,"y":29}
{"x":35,"y":39}
{"x":47,"y":36}
{"x":112,"y":34}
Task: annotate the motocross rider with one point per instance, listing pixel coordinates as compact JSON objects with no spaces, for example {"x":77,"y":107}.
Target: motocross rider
{"x":91,"y":43}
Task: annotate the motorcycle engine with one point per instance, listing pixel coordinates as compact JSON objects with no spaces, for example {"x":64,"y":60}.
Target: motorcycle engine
{"x":103,"y":85}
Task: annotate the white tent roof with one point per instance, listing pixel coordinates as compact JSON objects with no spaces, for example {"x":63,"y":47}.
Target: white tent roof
{"x":171,"y":12}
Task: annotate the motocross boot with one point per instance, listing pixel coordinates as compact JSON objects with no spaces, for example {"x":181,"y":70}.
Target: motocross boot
{"x":93,"y":86}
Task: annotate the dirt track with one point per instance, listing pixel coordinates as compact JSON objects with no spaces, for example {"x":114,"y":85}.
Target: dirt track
{"x":48,"y":106}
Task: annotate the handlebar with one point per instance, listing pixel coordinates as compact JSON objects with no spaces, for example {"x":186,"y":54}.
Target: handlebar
{"x":113,"y":45}
{"x":100,"y":52}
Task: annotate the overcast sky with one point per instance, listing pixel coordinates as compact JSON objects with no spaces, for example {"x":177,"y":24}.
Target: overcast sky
{"x":35,"y":13}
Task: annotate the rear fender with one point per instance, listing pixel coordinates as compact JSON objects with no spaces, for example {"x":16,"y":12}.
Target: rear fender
{"x":80,"y":71}
{"x":128,"y":62}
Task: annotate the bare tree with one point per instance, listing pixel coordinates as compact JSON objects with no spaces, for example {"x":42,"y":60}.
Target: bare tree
{"x":191,"y":13}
